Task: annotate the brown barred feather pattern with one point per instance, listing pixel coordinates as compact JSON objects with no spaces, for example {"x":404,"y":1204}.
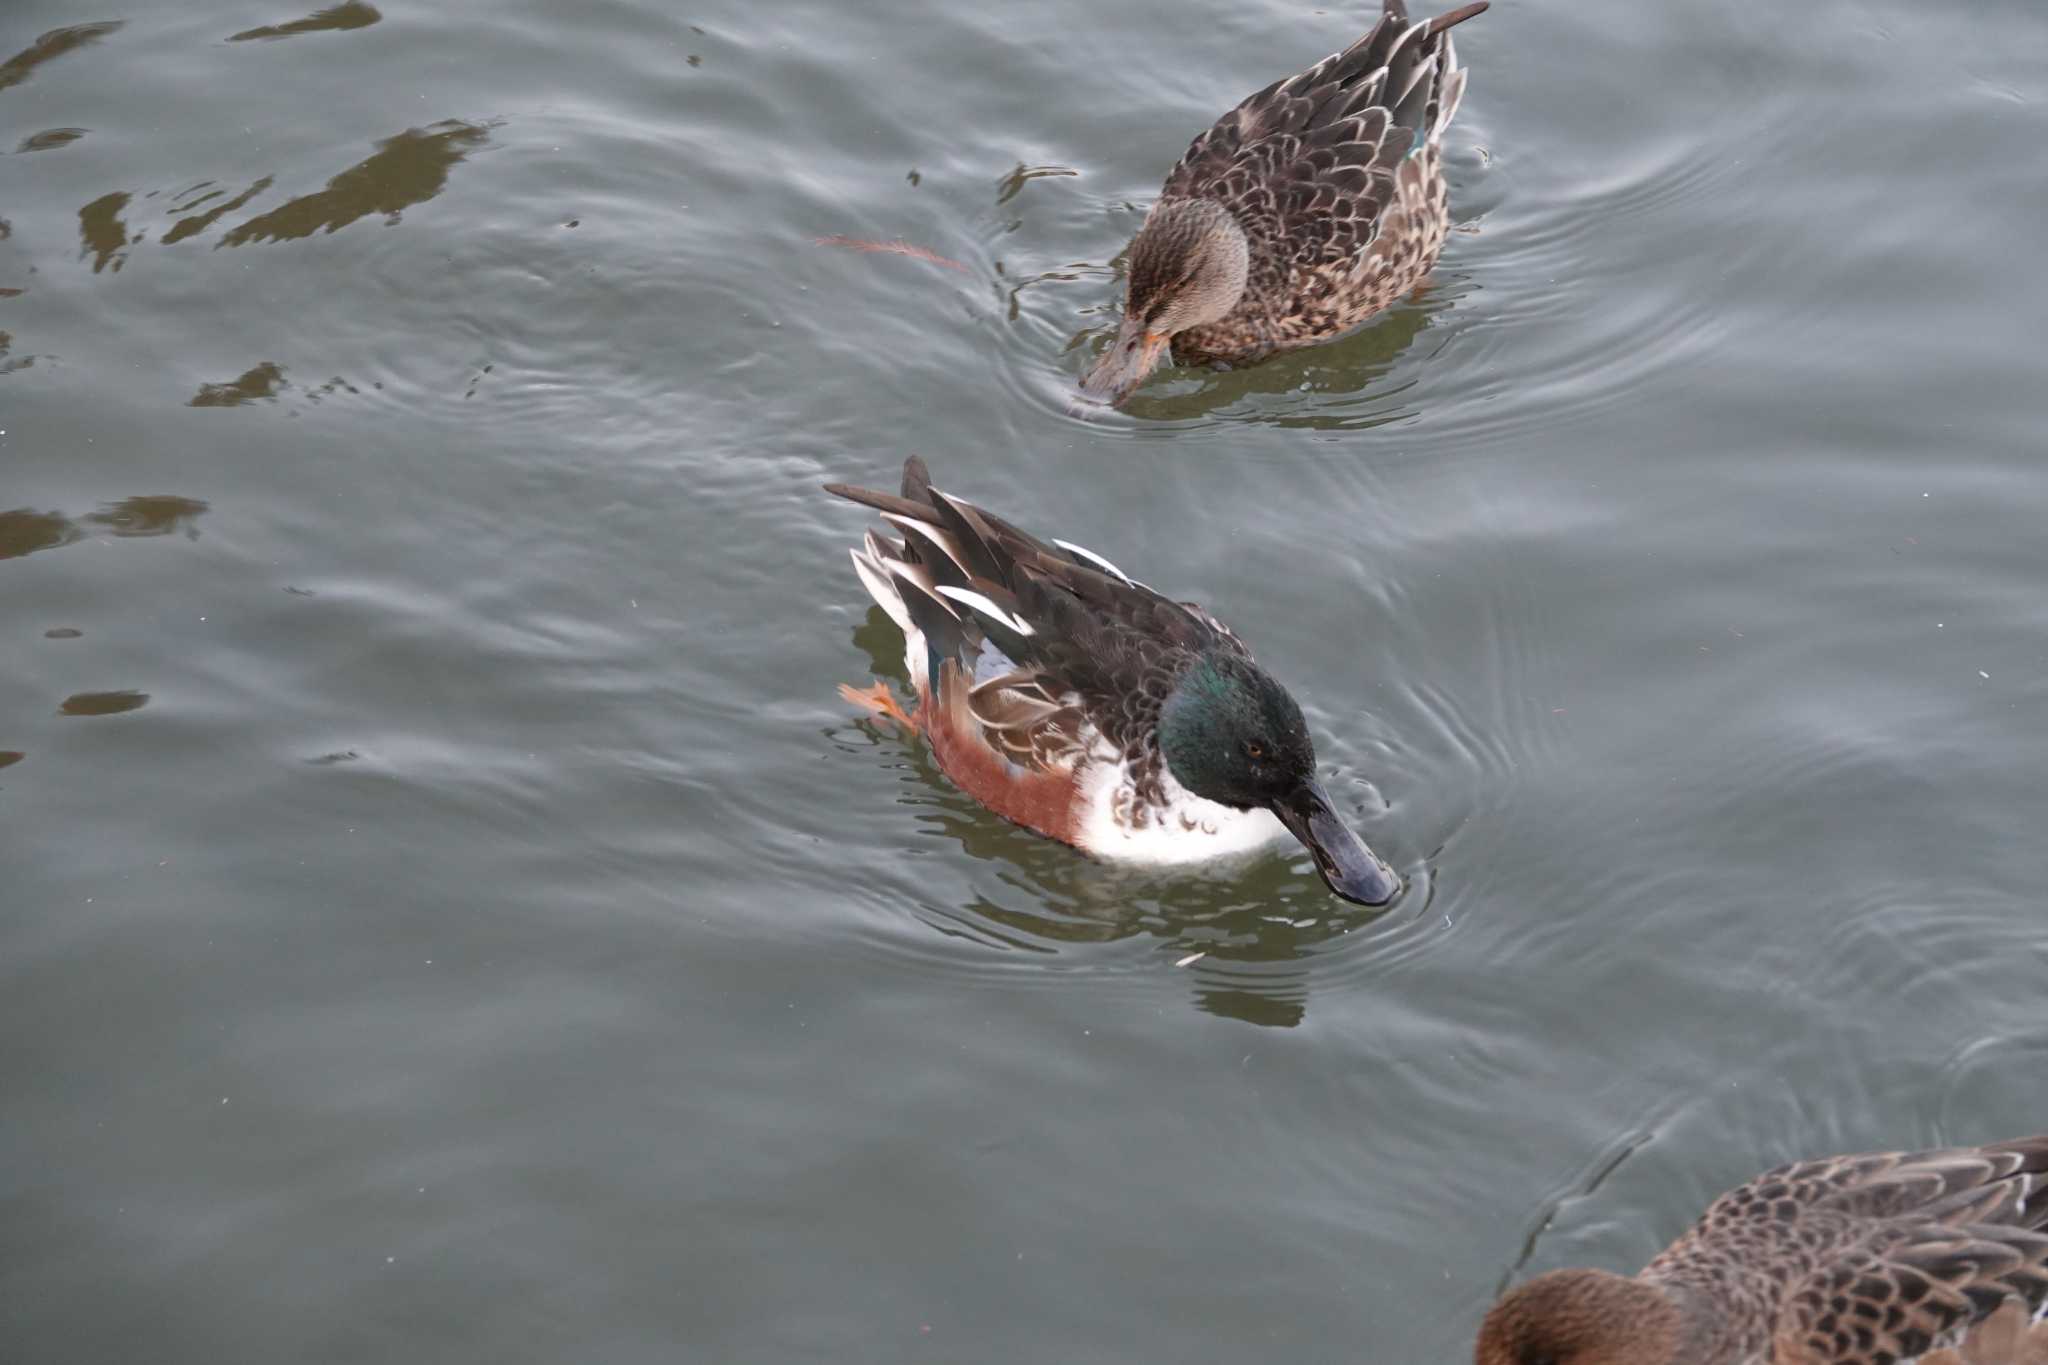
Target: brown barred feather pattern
{"x":1335,"y":176}
{"x":1935,"y":1257}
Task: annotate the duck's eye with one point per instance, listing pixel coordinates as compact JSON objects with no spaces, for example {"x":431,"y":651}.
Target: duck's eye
{"x":1254,"y":749}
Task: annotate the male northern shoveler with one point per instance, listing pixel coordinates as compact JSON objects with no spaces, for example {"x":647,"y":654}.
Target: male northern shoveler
{"x":1305,"y":210}
{"x":1086,"y":707}
{"x":1931,"y":1257}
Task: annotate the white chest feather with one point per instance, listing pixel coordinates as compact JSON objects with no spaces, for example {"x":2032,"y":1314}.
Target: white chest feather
{"x":1115,"y":825}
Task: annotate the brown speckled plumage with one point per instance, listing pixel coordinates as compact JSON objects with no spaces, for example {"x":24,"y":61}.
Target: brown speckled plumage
{"x":1933,"y":1257}
{"x":1333,"y":178}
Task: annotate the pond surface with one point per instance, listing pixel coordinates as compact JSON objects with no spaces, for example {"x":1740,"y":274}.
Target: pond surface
{"x":449,"y":915}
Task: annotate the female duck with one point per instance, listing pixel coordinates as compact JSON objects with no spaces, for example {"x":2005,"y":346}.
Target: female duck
{"x":1898,"y":1258}
{"x":1088,"y":708}
{"x":1306,"y":210}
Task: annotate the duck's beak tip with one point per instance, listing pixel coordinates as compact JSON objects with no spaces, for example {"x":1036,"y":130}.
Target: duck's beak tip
{"x":1346,"y":865}
{"x":1118,"y":371}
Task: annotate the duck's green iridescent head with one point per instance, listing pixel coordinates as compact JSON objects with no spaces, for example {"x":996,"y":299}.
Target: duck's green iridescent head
{"x":1231,"y":734}
{"x":1188,"y":267}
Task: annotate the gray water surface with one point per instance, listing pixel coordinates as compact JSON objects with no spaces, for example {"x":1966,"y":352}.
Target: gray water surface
{"x":447,"y":914}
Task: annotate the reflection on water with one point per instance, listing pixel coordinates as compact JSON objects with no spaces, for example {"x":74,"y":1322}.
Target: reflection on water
{"x":50,"y":46}
{"x":157,"y":515}
{"x":49,"y":138}
{"x":103,"y":703}
{"x":350,"y":14}
{"x":405,"y":170}
{"x":1012,"y":185}
{"x":1246,"y":956}
{"x":1268,"y":1000}
{"x":197,"y":223}
{"x":24,"y":531}
{"x":103,"y":235}
{"x":257,"y":382}
{"x":1243,"y":963}
{"x":8,"y":366}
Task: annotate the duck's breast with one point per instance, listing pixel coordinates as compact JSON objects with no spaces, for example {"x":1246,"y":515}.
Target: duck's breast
{"x":1116,"y":820}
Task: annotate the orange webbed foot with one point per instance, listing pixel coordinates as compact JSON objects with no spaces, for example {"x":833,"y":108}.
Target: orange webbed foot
{"x":879,"y":701}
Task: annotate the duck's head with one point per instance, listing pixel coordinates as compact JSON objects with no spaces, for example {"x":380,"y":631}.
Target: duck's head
{"x":1581,"y":1317}
{"x":1188,"y":267}
{"x":1232,"y":735}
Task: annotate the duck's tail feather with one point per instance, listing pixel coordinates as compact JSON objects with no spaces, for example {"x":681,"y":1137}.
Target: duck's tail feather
{"x":917,"y":480}
{"x":965,"y":577}
{"x":1422,"y":82}
{"x":1449,"y":95}
{"x":881,"y":502}
{"x":913,"y":579}
{"x":872,"y":563}
{"x":1452,"y":18}
{"x":1449,"y":91}
{"x":957,"y":530}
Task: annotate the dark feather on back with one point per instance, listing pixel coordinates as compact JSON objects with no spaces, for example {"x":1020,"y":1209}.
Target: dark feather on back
{"x":1117,"y":644}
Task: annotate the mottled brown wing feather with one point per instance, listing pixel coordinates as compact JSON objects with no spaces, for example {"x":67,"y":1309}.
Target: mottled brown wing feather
{"x":1907,"y":1290}
{"x":1861,"y":1260}
{"x":1308,"y":165}
{"x":1022,"y":719}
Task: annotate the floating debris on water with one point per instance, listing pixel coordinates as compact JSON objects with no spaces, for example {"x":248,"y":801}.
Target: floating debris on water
{"x":898,"y":247}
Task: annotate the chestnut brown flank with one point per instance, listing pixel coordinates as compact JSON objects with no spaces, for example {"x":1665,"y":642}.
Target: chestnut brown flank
{"x":1042,"y":801}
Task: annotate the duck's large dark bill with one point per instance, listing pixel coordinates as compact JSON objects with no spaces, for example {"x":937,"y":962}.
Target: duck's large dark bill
{"x":1350,"y":869}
